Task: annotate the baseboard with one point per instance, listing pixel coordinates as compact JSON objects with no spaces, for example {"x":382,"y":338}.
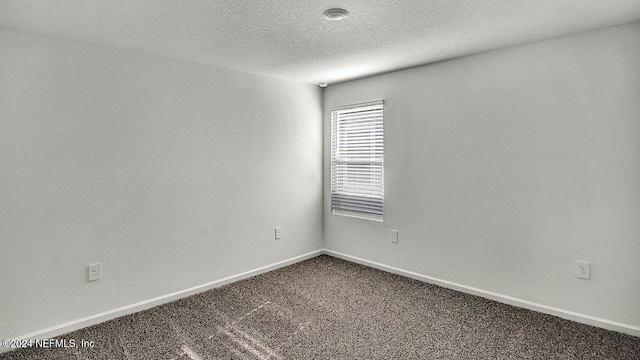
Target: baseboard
{"x":146,"y":304}
{"x":565,"y":314}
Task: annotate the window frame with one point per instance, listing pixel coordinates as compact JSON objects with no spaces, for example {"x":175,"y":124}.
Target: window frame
{"x":374,"y":159}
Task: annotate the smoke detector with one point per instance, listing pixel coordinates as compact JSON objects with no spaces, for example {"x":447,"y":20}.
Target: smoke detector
{"x":335,"y":14}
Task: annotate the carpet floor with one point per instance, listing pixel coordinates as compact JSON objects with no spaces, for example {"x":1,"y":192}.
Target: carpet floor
{"x":326,"y":308}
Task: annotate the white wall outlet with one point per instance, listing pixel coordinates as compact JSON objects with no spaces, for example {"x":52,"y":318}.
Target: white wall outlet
{"x":583,"y":270}
{"x":278,"y":233}
{"x":394,"y":236}
{"x":95,"y":272}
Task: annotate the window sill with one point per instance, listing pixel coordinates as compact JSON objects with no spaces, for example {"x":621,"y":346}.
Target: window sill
{"x":358,"y":215}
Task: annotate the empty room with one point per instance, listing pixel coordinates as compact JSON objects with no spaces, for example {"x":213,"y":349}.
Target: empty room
{"x":219,"y":179}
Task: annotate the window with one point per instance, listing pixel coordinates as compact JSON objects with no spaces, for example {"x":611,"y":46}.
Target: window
{"x":357,"y":160}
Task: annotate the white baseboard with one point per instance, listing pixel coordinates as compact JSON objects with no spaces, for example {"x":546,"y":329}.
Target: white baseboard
{"x":146,"y":304}
{"x":565,"y":314}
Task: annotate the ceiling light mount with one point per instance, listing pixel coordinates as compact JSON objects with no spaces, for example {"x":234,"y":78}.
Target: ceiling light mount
{"x":335,"y":14}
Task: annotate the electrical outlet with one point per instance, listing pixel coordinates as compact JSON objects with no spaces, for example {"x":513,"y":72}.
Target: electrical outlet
{"x":583,"y":270}
{"x":278,"y":233}
{"x":394,"y":236}
{"x":95,"y":272}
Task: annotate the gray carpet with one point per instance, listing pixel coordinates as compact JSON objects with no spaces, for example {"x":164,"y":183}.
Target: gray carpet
{"x":326,"y":308}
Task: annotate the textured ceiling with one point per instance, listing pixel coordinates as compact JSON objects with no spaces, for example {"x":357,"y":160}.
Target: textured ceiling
{"x":290,"y":39}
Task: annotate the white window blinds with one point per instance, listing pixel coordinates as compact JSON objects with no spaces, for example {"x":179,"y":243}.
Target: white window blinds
{"x":357,"y":160}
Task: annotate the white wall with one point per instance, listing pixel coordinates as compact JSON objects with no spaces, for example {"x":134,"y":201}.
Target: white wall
{"x":504,"y":168}
{"x":169,"y":173}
